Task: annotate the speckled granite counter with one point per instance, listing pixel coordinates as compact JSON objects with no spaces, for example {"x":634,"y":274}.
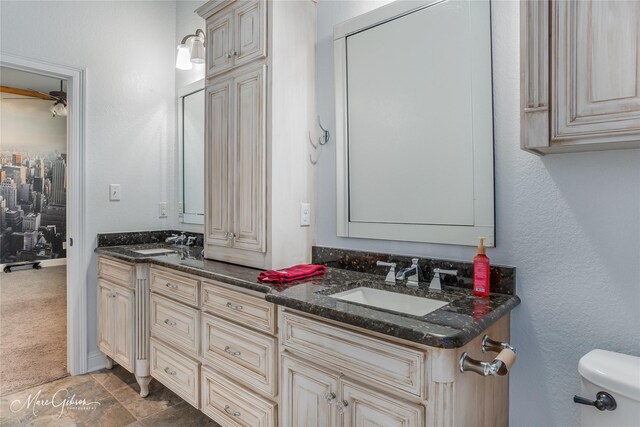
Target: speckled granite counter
{"x":451,"y":326}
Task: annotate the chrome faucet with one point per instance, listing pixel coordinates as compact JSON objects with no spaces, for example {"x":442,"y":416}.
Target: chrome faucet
{"x":176,"y":240}
{"x":413,"y":274}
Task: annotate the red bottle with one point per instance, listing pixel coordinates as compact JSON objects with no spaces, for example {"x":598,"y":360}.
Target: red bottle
{"x":481,"y":269}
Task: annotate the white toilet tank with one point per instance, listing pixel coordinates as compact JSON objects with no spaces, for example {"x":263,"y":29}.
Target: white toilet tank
{"x":617,"y":374}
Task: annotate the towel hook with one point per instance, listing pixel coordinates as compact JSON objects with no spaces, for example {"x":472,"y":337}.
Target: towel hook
{"x":325,"y":134}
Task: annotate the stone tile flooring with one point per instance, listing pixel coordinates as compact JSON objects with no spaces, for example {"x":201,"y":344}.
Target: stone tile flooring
{"x":111,"y":399}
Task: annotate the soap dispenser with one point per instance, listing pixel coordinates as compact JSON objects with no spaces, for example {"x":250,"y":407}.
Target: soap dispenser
{"x":481,"y":271}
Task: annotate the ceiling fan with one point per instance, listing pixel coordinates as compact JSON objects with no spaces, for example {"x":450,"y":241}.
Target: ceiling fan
{"x":59,"y":107}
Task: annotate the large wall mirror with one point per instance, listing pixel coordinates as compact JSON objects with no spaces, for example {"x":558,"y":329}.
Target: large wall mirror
{"x":415,"y":123}
{"x":191,"y":153}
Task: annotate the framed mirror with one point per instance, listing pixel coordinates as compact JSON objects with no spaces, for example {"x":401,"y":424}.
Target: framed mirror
{"x":191,"y":153}
{"x":414,"y":123}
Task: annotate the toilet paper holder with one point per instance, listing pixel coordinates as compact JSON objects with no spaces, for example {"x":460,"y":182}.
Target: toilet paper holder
{"x":500,"y":365}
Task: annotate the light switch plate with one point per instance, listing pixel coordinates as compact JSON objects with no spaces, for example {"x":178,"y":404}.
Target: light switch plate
{"x":305,"y":214}
{"x":163,"y":209}
{"x":114,"y":192}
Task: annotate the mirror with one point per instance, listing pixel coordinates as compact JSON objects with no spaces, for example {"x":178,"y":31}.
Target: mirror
{"x":414,"y":121}
{"x":191,"y":153}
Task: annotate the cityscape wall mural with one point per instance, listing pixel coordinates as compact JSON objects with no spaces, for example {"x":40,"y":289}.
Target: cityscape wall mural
{"x":32,"y":180}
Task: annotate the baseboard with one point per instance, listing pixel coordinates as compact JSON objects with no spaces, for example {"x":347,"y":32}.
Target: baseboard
{"x":96,"y":361}
{"x":43,"y":263}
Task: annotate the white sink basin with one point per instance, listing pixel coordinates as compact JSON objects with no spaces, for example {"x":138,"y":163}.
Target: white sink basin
{"x":154,"y":251}
{"x":417,"y":306}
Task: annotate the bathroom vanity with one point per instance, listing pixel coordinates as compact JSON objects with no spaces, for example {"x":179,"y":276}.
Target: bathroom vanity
{"x":252,"y":354}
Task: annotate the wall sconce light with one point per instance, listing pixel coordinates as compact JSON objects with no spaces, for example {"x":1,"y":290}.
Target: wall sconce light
{"x":188,"y":56}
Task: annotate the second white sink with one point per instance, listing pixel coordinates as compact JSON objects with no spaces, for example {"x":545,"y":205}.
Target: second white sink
{"x":153,"y":251}
{"x":417,"y":306}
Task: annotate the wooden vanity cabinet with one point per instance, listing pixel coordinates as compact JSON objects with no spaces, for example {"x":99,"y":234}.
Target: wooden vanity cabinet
{"x":259,"y":109}
{"x":116,"y":334}
{"x":333,"y":374}
{"x":579,"y":75}
{"x":122,"y":317}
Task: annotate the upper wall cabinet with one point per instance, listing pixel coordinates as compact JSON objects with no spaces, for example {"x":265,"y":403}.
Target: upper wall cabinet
{"x":236,"y":35}
{"x":259,"y":107}
{"x":580,"y":75}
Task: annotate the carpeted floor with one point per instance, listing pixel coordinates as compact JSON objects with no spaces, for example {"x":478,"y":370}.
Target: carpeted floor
{"x":33,"y":327}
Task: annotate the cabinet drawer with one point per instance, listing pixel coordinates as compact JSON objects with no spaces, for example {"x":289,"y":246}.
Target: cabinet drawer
{"x":174,"y":285}
{"x":245,"y":309}
{"x":240,"y":353}
{"x":179,"y":373}
{"x":117,"y":271}
{"x":175,"y":323}
{"x":376,"y":361}
{"x":233,"y":405}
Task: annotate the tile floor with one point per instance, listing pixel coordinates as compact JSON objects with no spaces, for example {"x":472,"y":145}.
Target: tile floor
{"x":118,"y":404}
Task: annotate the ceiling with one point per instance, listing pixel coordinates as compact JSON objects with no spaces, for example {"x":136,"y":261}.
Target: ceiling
{"x":24,"y":80}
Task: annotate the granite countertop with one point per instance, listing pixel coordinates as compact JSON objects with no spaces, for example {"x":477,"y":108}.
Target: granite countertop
{"x":461,"y":320}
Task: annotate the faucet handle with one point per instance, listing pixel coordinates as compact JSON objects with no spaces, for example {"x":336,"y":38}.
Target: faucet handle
{"x":391,"y":275}
{"x":435,"y":282}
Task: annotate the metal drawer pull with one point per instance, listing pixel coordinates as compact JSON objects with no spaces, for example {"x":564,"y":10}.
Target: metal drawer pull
{"x":168,"y":371}
{"x":329,"y":397}
{"x":171,"y":285}
{"x":234,"y":307}
{"x":230,"y":411}
{"x":170,"y":322}
{"x":342,"y":405}
{"x":228,"y":350}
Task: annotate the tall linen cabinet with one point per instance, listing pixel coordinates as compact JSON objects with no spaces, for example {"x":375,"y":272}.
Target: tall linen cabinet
{"x":260,"y":107}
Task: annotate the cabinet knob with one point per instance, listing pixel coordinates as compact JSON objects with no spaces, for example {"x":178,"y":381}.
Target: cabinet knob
{"x":171,"y":285}
{"x":227,"y":54}
{"x":228,"y":350}
{"x":342,"y":405}
{"x":231,"y":235}
{"x":169,"y":371}
{"x":235,"y":53}
{"x":329,"y":397}
{"x":230,"y":411}
{"x":234,"y":307}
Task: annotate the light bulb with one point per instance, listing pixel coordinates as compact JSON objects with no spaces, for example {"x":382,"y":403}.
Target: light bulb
{"x":183,"y":60}
{"x":197,"y":51}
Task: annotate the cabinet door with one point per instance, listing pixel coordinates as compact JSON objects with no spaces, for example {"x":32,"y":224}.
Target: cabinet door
{"x":219,"y":43}
{"x":123,"y":323}
{"x":249,"y":210}
{"x":105,"y":321}
{"x":595,"y":70}
{"x":361,"y":406}
{"x":309,"y":395}
{"x":218,"y":113}
{"x":250,"y":32}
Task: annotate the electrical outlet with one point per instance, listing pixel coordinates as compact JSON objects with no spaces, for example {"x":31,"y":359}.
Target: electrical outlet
{"x":114,"y":192}
{"x":305,"y":214}
{"x":163,"y":210}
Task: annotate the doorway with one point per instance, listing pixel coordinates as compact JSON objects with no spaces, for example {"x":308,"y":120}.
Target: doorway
{"x":75,"y":242}
{"x":33,"y":152}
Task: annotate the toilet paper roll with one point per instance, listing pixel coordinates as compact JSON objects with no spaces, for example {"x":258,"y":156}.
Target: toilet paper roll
{"x":508,"y":358}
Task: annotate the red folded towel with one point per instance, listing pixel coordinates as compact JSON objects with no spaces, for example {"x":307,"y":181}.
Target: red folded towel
{"x":297,"y":272}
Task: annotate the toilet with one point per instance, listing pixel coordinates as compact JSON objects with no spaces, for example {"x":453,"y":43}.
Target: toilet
{"x":614,"y":373}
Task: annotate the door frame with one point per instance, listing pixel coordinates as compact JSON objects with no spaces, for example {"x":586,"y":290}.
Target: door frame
{"x":77,"y":350}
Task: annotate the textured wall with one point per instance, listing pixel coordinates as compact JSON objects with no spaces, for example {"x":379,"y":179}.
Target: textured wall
{"x":128,"y":50}
{"x":570,"y":223}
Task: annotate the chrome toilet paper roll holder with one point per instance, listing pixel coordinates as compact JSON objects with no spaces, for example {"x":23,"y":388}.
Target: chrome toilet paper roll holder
{"x":500,"y":365}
